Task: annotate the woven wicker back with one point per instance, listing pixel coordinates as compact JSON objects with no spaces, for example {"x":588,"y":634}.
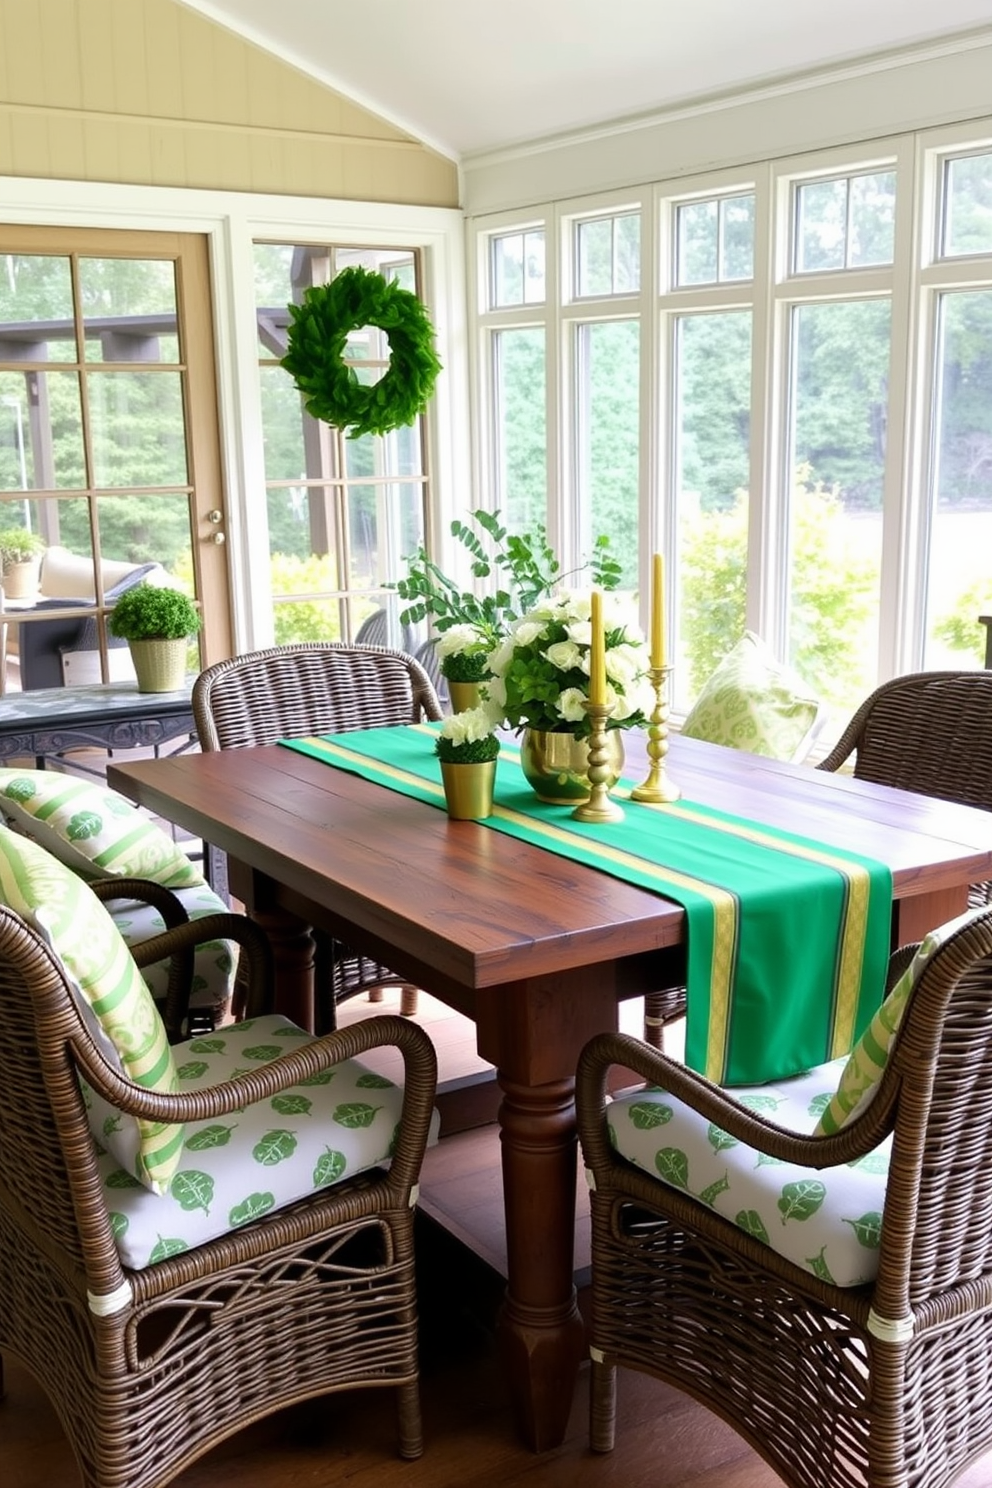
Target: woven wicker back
{"x":47,"y":1213}
{"x":938,"y":1225}
{"x":290,"y":691}
{"x":929,"y":732}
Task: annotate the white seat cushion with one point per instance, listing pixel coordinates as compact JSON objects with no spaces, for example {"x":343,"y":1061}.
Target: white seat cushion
{"x":827,"y":1221}
{"x":235,"y":1169}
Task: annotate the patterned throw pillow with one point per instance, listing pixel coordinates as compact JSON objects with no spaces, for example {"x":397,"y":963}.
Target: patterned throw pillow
{"x":753,"y":702}
{"x":92,"y":829}
{"x":114,"y":1001}
{"x":867,"y":1060}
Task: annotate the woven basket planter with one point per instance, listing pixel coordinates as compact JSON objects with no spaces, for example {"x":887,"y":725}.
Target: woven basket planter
{"x":160,"y":665}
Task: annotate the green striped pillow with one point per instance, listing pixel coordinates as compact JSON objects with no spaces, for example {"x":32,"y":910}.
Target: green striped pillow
{"x":93,"y":829}
{"x":866,"y":1064}
{"x":110,"y":993}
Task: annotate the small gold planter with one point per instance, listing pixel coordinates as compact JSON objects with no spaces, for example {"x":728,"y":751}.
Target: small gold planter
{"x":463,"y":695}
{"x":468,"y":789}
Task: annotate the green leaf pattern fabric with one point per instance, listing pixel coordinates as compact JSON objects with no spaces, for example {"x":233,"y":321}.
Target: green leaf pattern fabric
{"x":867,"y":1060}
{"x":751,"y":701}
{"x":93,"y":829}
{"x":234,"y":1168}
{"x":215,"y":962}
{"x":826,"y":1221}
{"x":113,"y":999}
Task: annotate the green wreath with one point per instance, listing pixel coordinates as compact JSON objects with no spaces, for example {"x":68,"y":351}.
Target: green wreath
{"x":318,"y":337}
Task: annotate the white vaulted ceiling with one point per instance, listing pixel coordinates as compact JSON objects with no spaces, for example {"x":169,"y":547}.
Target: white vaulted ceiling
{"x":475,"y":76}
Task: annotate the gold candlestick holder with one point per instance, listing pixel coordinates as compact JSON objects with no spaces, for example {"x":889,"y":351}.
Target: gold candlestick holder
{"x":599,"y":807}
{"x":657,"y":788}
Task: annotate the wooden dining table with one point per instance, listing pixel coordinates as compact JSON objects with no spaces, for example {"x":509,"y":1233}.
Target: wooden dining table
{"x":536,"y":949}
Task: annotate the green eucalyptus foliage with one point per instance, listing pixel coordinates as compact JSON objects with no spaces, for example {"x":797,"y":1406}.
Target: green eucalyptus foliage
{"x":525,"y":569}
{"x":146,"y":613}
{"x":318,"y":339}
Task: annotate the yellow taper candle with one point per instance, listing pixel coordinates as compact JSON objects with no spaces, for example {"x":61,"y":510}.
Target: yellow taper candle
{"x":658,"y":612}
{"x":597,"y":652}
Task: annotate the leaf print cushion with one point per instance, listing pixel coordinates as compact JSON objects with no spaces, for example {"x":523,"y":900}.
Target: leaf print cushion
{"x":238,"y":1167}
{"x":215,"y":962}
{"x":115,"y":1003}
{"x":827,"y":1221}
{"x":867,"y":1060}
{"x":92,"y":829}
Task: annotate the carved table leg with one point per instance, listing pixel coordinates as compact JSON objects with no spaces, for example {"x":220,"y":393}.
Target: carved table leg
{"x":293,"y":951}
{"x":542,"y":1337}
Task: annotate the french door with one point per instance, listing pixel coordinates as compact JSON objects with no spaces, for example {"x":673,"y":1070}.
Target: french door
{"x":109,"y":449}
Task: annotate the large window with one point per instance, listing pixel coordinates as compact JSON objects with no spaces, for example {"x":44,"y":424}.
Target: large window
{"x":342,"y":512}
{"x":782,"y":379}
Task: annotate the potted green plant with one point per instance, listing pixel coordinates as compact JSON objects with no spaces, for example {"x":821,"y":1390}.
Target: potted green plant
{"x":467,"y":749}
{"x":157,"y":623}
{"x":20,"y":561}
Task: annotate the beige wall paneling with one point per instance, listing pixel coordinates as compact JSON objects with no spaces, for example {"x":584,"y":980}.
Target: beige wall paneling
{"x":148,"y":92}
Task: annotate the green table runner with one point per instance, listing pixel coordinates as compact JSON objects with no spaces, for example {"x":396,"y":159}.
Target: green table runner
{"x":787,"y":942}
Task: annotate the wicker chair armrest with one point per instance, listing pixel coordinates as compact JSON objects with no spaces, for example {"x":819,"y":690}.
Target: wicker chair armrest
{"x":107,"y":890}
{"x":715,"y":1104}
{"x":419,"y":1084}
{"x":255,"y":966}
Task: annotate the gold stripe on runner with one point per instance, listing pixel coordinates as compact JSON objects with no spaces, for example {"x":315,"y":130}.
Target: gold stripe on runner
{"x":724,"y":903}
{"x":854,"y":918}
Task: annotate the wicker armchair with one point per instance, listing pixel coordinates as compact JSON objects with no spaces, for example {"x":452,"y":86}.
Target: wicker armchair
{"x":929,"y":732}
{"x":883,"y":1383}
{"x":317,"y":688}
{"x":149,"y":1367}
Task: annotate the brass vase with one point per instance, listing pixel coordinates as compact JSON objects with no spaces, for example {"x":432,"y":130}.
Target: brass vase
{"x":554,"y":765}
{"x":468,"y":789}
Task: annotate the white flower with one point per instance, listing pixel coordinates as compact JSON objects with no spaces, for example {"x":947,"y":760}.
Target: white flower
{"x":527,"y":631}
{"x":467,"y":727}
{"x":564,"y":655}
{"x":570,"y":705}
{"x":500,"y":659}
{"x":580,"y":632}
{"x":495,"y":689}
{"x":456,"y":639}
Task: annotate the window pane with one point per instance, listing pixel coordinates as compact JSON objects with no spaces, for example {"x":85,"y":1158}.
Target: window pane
{"x":518,"y":269}
{"x":960,"y":573}
{"x":712,"y":434}
{"x":697,"y":234}
{"x":595,"y":257}
{"x":873,"y":218}
{"x":608,"y":371}
{"x":149,"y":529}
{"x":968,"y":205}
{"x":41,"y":431}
{"x":520,"y":427}
{"x":138,"y":430}
{"x":737,"y":237}
{"x":36,"y":321}
{"x":608,"y":255}
{"x":840,"y":389}
{"x":821,"y":225}
{"x":129,"y":309}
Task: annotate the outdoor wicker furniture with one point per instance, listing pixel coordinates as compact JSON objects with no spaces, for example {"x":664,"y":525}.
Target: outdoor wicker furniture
{"x":150,"y":1364}
{"x":884,"y":1382}
{"x":929,"y":732}
{"x":317,"y":688}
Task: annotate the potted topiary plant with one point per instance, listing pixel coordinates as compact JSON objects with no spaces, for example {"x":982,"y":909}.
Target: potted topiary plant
{"x":467,"y":749}
{"x":20,"y":561}
{"x":157,"y":624}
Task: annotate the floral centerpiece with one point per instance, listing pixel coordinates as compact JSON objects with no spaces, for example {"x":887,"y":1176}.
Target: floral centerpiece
{"x":469,"y":626}
{"x":540,"y":673}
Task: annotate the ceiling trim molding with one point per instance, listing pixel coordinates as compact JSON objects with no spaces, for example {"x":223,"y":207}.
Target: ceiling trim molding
{"x":798,"y":82}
